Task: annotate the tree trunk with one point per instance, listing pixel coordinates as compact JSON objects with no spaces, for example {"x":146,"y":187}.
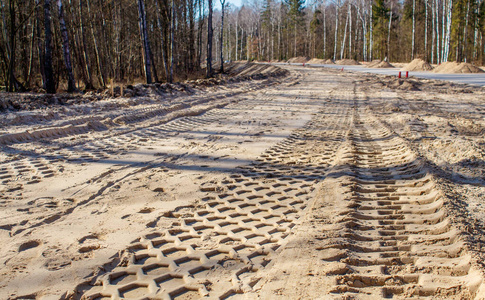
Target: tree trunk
{"x":414,"y":29}
{"x":209,"y":41}
{"x":144,"y":35}
{"x":71,"y":85}
{"x":31,"y":55}
{"x":342,"y":48}
{"x":12,"y":53}
{"x":324,"y":31}
{"x":191,"y":36}
{"x":465,"y":33}
{"x":89,"y":77}
{"x":336,"y":30}
{"x":223,"y":2}
{"x":448,"y":30}
{"x":172,"y":41}
{"x":50,"y":84}
{"x":237,"y":31}
{"x":96,"y":48}
{"x":40,"y":47}
{"x":426,"y":31}
{"x":371,"y":35}
{"x":388,"y":55}
{"x":162,"y":40}
{"x":350,"y":30}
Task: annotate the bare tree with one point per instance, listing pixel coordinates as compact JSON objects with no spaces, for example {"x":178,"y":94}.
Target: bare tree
{"x":209,"y":41}
{"x":71,"y":85}
{"x":144,"y":36}
{"x":223,"y":3}
{"x":50,"y":84}
{"x":172,"y":41}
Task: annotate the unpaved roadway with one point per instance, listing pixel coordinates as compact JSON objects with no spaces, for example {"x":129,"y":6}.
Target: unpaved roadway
{"x":319,"y":185}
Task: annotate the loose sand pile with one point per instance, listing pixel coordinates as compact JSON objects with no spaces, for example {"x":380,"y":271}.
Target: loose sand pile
{"x":316,"y":61}
{"x":418,"y":65}
{"x":373,"y":63}
{"x":347,"y":62}
{"x":299,"y":60}
{"x":379,"y":64}
{"x":404,"y":85}
{"x":329,"y":62}
{"x":452,"y":67}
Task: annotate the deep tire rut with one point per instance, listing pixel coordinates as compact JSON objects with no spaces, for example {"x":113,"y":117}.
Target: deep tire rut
{"x":398,"y":240}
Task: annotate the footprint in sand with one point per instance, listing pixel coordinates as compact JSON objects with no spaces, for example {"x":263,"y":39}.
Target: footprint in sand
{"x":29,"y":245}
{"x":89,"y":243}
{"x":27,"y":253}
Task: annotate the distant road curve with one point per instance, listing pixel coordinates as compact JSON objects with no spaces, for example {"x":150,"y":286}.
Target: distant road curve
{"x":475,"y":79}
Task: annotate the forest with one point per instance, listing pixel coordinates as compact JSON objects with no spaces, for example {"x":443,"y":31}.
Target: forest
{"x":75,"y":45}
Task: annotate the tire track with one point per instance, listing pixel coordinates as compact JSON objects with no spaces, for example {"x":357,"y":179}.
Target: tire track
{"x":397,"y":239}
{"x":16,"y":174}
{"x":47,"y":161}
{"x":217,"y":248}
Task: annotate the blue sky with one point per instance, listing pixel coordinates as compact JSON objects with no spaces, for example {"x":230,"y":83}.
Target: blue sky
{"x":217,"y":3}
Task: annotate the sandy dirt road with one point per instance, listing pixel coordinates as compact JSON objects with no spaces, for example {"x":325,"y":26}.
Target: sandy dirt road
{"x":320,"y":185}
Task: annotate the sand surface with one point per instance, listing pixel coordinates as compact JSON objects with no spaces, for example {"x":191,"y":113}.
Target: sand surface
{"x":314,"y":185}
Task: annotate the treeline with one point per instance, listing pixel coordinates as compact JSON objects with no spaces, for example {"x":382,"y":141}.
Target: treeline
{"x":87,"y":44}
{"x":434,"y":30}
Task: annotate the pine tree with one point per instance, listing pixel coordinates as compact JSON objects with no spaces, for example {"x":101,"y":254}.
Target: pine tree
{"x":380,"y":18}
{"x":295,"y":14}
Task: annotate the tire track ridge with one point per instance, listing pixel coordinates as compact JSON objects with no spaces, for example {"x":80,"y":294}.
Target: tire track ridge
{"x":397,"y":239}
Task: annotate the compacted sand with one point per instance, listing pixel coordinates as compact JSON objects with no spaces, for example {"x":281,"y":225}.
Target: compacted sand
{"x":316,"y":184}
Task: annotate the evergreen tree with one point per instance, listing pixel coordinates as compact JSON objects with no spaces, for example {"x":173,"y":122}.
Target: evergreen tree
{"x":380,"y":18}
{"x":295,"y":17}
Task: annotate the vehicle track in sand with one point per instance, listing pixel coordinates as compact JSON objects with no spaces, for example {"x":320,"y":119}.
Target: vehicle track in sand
{"x":397,"y":239}
{"x":393,"y":238}
{"x":73,"y":141}
{"x":218,"y":249}
{"x":33,"y":169}
{"x":384,"y":232}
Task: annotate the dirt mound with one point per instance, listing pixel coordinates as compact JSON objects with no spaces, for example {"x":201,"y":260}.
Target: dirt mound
{"x":404,"y":85}
{"x":329,"y":62}
{"x":236,"y":71}
{"x":298,"y":60}
{"x":347,"y":62}
{"x":379,"y":64}
{"x":452,"y":67}
{"x":316,"y":61}
{"x":418,"y":65}
{"x":373,"y":63}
